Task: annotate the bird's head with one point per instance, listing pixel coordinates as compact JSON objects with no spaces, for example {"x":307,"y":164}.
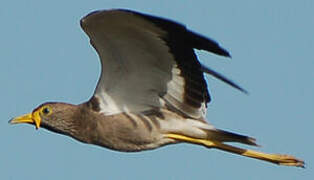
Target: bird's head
{"x":52,"y":116}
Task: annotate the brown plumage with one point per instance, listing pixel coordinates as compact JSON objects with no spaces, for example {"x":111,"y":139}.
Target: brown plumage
{"x":151,"y":92}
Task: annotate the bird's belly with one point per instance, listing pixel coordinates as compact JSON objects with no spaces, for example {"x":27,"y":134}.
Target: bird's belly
{"x":130,"y":133}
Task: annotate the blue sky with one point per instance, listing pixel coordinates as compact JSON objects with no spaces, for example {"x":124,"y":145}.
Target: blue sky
{"x":45,"y":56}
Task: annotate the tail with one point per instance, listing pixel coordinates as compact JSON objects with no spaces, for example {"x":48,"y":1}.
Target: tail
{"x":225,"y":136}
{"x":279,"y":159}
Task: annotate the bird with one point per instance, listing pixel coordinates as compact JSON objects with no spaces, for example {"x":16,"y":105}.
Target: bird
{"x":151,"y":92}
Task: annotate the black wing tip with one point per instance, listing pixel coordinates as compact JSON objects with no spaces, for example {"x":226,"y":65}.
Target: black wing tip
{"x":224,"y":52}
{"x":201,"y":42}
{"x":223,"y":78}
{"x":243,"y":90}
{"x":234,"y":85}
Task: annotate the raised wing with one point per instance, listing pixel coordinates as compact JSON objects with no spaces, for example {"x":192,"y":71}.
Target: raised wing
{"x":149,"y":62}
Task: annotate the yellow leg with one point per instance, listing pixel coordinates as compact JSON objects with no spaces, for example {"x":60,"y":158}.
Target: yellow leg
{"x":279,"y":159}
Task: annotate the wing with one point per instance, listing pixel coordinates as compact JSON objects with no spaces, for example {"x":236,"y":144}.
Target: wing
{"x":149,"y":62}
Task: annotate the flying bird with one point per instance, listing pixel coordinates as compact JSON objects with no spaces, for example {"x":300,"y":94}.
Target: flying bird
{"x":151,"y":90}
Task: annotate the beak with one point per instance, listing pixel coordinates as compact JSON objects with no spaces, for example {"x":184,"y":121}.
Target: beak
{"x":31,"y":118}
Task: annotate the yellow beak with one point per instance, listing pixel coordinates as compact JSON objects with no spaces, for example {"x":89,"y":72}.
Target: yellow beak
{"x":31,"y":118}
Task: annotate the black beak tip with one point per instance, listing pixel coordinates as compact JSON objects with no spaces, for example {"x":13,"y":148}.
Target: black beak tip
{"x":10,"y":121}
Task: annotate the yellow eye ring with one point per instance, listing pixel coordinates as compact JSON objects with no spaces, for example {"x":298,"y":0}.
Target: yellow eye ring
{"x":46,"y":110}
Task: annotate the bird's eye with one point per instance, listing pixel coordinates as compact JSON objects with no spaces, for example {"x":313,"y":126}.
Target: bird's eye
{"x":45,"y":110}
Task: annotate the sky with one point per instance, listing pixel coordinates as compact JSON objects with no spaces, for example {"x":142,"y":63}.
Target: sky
{"x":45,"y":56}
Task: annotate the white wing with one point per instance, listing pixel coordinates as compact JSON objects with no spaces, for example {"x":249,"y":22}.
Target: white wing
{"x":148,"y":62}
